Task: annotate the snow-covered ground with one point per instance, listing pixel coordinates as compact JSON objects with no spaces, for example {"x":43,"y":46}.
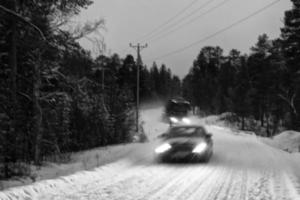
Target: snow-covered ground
{"x":80,"y":161}
{"x":242,"y":167}
{"x":288,"y":141}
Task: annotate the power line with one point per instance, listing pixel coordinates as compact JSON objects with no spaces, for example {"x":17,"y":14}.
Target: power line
{"x":153,"y":39}
{"x":218,"y":32}
{"x":169,"y":20}
{"x":202,"y":6}
{"x":154,"y":32}
{"x":161,"y":28}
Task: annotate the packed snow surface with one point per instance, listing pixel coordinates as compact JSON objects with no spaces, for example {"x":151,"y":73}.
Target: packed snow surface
{"x":242,"y":167}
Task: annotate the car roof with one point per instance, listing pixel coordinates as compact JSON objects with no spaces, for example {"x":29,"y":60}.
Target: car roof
{"x":188,"y":126}
{"x":179,"y":101}
{"x":183,"y":128}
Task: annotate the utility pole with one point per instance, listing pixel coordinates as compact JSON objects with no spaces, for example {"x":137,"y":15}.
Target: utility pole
{"x":138,"y":48}
{"x":103,"y":75}
{"x":103,"y":69}
{"x":103,"y":89}
{"x":101,"y":66}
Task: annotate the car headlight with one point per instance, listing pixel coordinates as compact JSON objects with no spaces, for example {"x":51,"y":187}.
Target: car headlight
{"x":200,"y":147}
{"x":163,"y":148}
{"x":186,"y":120}
{"x":174,"y":119}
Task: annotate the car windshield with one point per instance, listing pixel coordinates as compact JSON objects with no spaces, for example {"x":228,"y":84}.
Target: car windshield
{"x":187,"y":132}
{"x":178,"y":106}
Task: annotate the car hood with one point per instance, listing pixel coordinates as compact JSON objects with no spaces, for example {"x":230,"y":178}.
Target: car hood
{"x":184,"y":140}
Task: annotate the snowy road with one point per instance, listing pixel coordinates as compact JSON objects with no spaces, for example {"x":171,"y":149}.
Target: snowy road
{"x":241,"y":168}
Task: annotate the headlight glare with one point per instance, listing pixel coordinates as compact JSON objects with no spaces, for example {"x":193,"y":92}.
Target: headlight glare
{"x":173,"y":119}
{"x":186,"y":120}
{"x":200,"y":148}
{"x":163,"y":148}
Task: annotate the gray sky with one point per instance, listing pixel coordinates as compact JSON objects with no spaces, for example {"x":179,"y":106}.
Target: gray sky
{"x":129,"y":20}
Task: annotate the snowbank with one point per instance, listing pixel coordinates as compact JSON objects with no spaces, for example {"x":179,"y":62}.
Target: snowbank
{"x":91,"y":159}
{"x":85,"y":160}
{"x":287,"y":141}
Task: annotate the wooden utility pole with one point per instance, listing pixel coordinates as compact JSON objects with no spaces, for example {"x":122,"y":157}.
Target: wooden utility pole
{"x":138,"y":48}
{"x":102,"y":65}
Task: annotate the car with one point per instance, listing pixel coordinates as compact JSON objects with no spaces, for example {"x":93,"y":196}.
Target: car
{"x":185,"y":143}
{"x":177,"y":110}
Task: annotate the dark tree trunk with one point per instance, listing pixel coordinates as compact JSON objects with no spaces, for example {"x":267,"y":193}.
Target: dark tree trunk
{"x":275,"y":125}
{"x":10,"y":150}
{"x":268,"y":126}
{"x":295,"y":123}
{"x":37,"y":110}
{"x":243,"y":122}
{"x":262,"y":123}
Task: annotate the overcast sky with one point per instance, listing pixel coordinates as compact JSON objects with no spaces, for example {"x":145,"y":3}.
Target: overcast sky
{"x":129,"y":20}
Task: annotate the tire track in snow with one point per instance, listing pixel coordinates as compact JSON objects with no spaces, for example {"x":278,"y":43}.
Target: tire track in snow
{"x":225,"y":191}
{"x":212,"y":182}
{"x":155,"y":185}
{"x":222,"y":185}
{"x":282,"y":181}
{"x":228,"y":183}
{"x":161,"y":184}
{"x":280,"y":187}
{"x":136,"y":180}
{"x":149,"y":184}
{"x":198,"y":184}
{"x":173,"y":184}
{"x":190,"y":183}
{"x":292,"y":185}
{"x":236,"y":190}
{"x":244,"y":186}
{"x":260,"y":189}
{"x":135,"y":186}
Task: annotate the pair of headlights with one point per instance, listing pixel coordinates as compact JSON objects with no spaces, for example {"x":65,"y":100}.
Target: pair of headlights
{"x":176,"y":120}
{"x":200,"y":148}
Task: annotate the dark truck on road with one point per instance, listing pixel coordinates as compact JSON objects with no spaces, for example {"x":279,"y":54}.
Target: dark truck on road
{"x":177,"y":111}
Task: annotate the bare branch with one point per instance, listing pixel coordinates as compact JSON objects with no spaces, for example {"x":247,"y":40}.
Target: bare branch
{"x":24,"y":20}
{"x":25,"y":95}
{"x":99,"y":46}
{"x":53,"y":94}
{"x":284,"y":98}
{"x":88,"y":28}
{"x":290,"y":102}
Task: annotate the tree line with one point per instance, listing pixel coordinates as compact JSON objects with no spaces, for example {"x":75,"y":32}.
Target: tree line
{"x":263,"y":85}
{"x":156,"y":83}
{"x":55,"y":97}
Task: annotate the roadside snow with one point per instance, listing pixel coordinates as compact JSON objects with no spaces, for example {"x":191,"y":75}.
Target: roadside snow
{"x":157,"y":126}
{"x":64,"y":183}
{"x":288,"y":141}
{"x":90,"y":159}
{"x":85,"y":160}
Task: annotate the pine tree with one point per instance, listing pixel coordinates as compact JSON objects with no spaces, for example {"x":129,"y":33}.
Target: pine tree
{"x":51,"y":98}
{"x":290,"y":35}
{"x":260,"y":74}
